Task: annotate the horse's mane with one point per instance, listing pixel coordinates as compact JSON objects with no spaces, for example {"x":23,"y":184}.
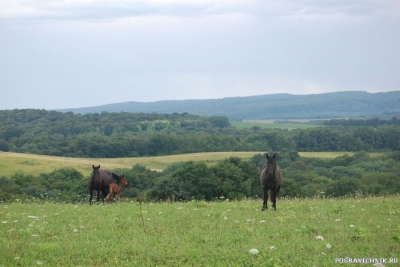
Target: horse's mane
{"x":116,"y":177}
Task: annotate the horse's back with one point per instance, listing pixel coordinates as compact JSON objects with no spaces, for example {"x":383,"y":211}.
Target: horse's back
{"x":106,"y":177}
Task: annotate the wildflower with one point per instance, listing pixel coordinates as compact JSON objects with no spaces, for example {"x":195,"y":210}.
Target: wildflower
{"x":35,"y":235}
{"x":328,"y":245}
{"x":4,"y":222}
{"x":225,"y":218}
{"x":263,"y":221}
{"x":33,"y":217}
{"x":39,"y":263}
{"x":17,"y":258}
{"x":75,"y":230}
{"x":319,"y":238}
{"x":351,"y":225}
{"x":272,"y":247}
{"x":378,"y":265}
{"x":337,"y":220}
{"x":254,"y":251}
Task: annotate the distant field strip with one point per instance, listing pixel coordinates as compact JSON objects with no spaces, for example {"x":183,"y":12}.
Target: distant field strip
{"x":300,"y":124}
{"x":34,"y":164}
{"x":11,"y":163}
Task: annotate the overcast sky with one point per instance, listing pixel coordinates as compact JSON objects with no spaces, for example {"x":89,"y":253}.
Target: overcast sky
{"x":80,"y":53}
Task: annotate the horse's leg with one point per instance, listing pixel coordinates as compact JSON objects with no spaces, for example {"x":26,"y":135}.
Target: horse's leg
{"x":108,"y":197}
{"x":98,"y":195}
{"x":274,"y":193}
{"x":265,"y":203}
{"x":91,"y":196}
{"x":104,"y":193}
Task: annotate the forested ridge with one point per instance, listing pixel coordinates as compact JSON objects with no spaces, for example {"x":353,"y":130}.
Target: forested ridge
{"x":114,"y":135}
{"x":351,"y":104}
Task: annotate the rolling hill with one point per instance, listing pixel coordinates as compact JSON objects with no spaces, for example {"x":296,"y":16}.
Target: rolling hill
{"x":351,"y":104}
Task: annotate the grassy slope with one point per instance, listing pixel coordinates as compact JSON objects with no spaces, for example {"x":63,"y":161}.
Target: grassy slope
{"x":35,"y":164}
{"x":199,"y":233}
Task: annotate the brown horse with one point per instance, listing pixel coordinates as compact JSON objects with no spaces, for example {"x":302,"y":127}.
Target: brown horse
{"x":116,"y":189}
{"x":271,"y":179}
{"x":100,"y":181}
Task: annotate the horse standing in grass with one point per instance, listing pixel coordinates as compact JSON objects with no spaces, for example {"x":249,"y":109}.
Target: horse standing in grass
{"x":100,"y":181}
{"x":271,"y":179}
{"x":116,"y":189}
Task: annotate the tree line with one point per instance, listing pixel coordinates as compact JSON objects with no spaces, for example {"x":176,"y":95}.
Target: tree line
{"x":113,"y":135}
{"x":232,"y":178}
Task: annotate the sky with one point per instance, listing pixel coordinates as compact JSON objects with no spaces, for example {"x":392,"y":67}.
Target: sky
{"x":58,"y":54}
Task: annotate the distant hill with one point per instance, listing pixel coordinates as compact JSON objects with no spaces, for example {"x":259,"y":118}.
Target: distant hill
{"x":354,"y":104}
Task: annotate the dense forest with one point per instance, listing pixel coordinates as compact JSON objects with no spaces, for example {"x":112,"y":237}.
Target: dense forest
{"x":272,"y":106}
{"x":233,"y":178}
{"x":114,"y":135}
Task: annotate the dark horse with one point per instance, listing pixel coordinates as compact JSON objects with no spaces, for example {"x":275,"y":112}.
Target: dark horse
{"x":271,"y":179}
{"x":100,"y":181}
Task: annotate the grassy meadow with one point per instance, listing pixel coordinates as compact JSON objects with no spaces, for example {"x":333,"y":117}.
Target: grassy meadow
{"x":302,"y":232}
{"x":35,"y":164}
{"x":271,"y":124}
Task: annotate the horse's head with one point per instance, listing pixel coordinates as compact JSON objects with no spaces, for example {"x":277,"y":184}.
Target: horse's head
{"x":271,"y":165}
{"x":96,"y":174}
{"x":96,"y":169}
{"x":124,"y":181}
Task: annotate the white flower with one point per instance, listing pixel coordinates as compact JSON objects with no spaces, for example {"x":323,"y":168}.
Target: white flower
{"x":328,"y":245}
{"x":351,"y":225}
{"x":337,"y":220}
{"x":35,"y":235}
{"x":33,"y":217}
{"x":4,"y":222}
{"x":254,"y":251}
{"x":75,"y":230}
{"x":225,"y":218}
{"x":272,"y":247}
{"x":319,"y":238}
{"x":263,"y":221}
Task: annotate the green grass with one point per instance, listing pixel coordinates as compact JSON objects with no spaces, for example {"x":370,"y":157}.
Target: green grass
{"x":199,"y":233}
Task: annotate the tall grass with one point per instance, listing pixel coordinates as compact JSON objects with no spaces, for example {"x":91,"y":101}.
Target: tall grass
{"x":199,"y":233}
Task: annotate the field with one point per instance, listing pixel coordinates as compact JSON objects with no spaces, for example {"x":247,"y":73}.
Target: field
{"x":272,"y":124}
{"x":310,"y":232}
{"x":35,"y":164}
